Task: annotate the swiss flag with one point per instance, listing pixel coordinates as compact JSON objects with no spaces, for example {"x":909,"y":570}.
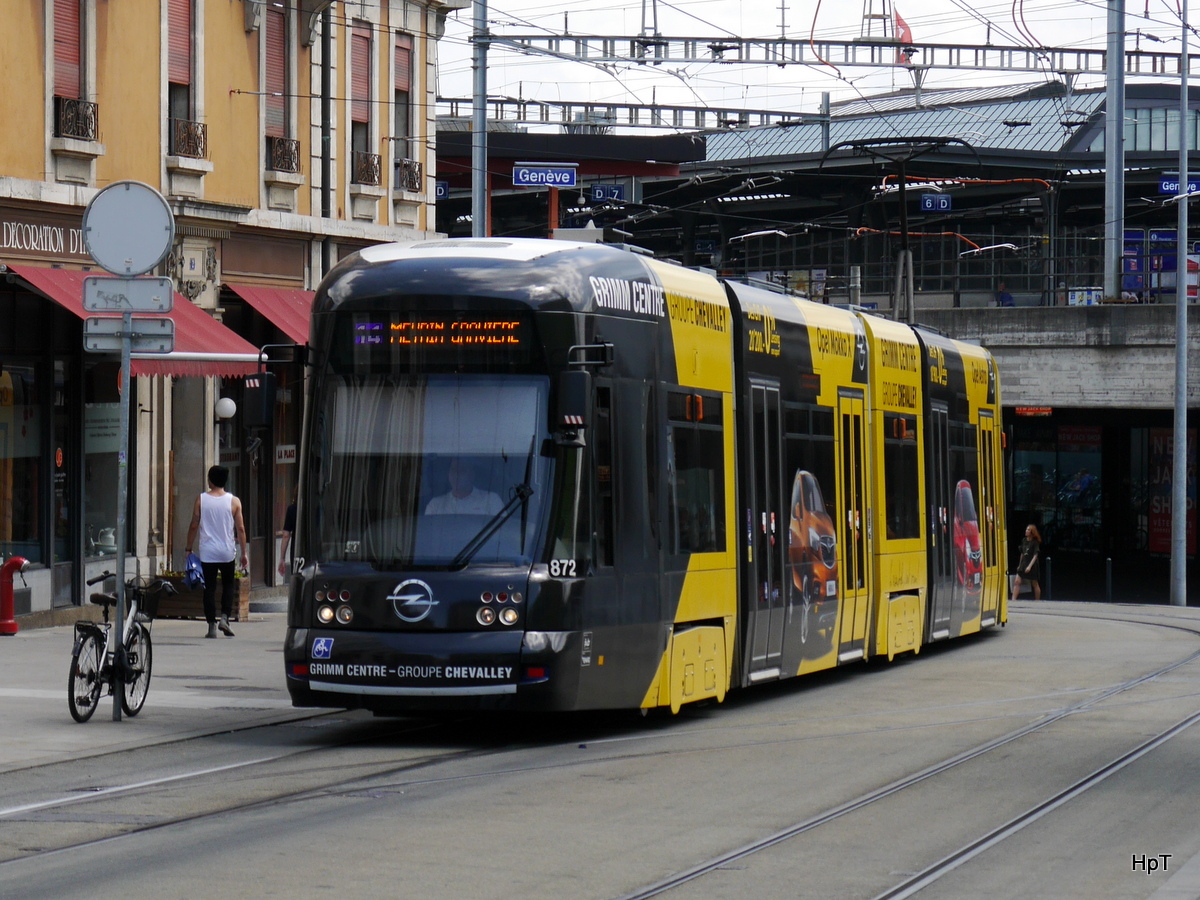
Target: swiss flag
{"x":903,"y":36}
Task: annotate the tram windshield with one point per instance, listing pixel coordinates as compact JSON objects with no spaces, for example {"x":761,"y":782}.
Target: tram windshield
{"x":431,"y":471}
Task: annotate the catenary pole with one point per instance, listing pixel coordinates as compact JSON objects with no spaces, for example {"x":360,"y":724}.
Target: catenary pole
{"x":1114,"y":148}
{"x":1179,"y":479}
{"x":479,"y":154}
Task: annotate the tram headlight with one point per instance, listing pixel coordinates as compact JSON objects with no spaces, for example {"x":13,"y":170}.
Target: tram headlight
{"x":325,"y":614}
{"x":344,"y":615}
{"x":486,"y":615}
{"x":508,"y":615}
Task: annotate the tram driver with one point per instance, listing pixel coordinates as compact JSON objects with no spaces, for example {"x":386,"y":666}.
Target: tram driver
{"x":463,"y":498}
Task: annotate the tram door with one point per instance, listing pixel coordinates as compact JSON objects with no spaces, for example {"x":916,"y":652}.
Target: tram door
{"x":855,"y":538}
{"x":941,"y":563}
{"x":990,"y":502}
{"x":770,"y":538}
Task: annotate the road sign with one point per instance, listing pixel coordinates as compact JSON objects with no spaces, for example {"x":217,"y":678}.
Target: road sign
{"x":544,"y":174}
{"x":128,"y":228}
{"x":147,"y":334}
{"x":118,"y":295}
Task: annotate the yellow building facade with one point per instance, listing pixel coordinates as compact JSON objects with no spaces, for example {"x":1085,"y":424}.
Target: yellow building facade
{"x":283,"y":136}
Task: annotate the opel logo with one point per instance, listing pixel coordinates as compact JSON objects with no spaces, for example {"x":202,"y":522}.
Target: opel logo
{"x":412,"y":600}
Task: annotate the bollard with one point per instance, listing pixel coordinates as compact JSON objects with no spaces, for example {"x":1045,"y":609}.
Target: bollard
{"x":8,"y":622}
{"x":1046,"y":593}
{"x":1108,"y":580}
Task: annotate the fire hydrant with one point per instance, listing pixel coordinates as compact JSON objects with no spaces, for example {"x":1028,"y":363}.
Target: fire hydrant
{"x":8,"y":623}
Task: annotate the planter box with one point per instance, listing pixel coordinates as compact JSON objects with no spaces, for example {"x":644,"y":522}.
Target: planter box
{"x":189,"y":604}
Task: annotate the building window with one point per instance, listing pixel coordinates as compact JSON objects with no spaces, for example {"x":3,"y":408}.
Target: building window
{"x":365,"y":164}
{"x":282,"y":150}
{"x":408,"y":173}
{"x":68,"y":50}
{"x":276,"y":73}
{"x":402,"y":98}
{"x":187,"y":137}
{"x":74,"y":117}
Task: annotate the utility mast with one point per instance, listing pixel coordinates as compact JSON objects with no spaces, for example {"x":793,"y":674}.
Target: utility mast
{"x":650,"y":18}
{"x":877,"y":21}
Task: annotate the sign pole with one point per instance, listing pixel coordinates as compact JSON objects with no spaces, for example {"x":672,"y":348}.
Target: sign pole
{"x":122,"y":496}
{"x":128,"y":228}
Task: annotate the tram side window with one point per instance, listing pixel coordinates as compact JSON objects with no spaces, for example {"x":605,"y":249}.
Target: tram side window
{"x":964,"y":467}
{"x":900,"y":478}
{"x":808,"y":434}
{"x":602,"y":448}
{"x":697,"y":474}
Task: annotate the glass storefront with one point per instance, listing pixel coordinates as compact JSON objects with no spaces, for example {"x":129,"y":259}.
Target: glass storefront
{"x":1100,"y":494}
{"x":101,"y":443}
{"x":21,"y":460}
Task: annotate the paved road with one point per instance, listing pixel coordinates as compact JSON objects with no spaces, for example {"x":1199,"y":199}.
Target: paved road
{"x":603,"y":806}
{"x":198,"y":686}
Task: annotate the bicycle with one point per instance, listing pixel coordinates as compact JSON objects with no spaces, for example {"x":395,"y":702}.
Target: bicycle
{"x":96,"y":661}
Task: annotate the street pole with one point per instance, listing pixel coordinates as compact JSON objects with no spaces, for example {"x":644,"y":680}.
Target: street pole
{"x":479,"y":153}
{"x":1114,"y":148}
{"x":122,"y":502}
{"x":1179,"y":479}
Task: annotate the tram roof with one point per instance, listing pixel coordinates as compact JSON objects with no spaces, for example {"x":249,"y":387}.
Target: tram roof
{"x":530,"y":271}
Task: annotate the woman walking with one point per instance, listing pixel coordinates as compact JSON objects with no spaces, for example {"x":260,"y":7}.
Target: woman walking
{"x":1030,"y":567}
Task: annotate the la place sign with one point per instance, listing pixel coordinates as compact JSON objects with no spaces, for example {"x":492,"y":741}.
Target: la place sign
{"x":528,"y":174}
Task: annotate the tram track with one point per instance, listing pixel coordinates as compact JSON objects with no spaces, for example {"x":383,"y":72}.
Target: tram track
{"x":386,"y":777}
{"x":913,"y":884}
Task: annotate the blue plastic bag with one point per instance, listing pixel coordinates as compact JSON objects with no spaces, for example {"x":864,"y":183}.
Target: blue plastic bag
{"x":193,"y":573}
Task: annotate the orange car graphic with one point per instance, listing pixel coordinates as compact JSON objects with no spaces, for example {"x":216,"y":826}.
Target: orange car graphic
{"x":812,"y":555}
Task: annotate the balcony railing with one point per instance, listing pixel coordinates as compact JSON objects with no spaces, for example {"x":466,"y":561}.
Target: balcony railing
{"x":366,"y":168}
{"x":189,"y":139}
{"x":77,"y":119}
{"x":408,"y":175}
{"x":283,"y":154}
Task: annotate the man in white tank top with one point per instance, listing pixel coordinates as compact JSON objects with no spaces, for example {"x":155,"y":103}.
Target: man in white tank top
{"x":217,"y":521}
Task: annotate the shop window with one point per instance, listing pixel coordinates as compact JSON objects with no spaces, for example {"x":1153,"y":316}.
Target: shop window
{"x":101,"y":446}
{"x":21,"y":461}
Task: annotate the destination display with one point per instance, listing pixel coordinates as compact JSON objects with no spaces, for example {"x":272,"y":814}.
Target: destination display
{"x":439,"y":338}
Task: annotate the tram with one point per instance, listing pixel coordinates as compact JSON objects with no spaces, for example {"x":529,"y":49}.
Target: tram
{"x":558,"y":476}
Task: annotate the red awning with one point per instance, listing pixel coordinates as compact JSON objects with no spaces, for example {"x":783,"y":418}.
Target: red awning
{"x":203,"y":346}
{"x":288,"y":309}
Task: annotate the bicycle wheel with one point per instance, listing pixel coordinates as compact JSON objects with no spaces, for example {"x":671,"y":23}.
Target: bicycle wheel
{"x":140,"y":654}
{"x":84,"y":683}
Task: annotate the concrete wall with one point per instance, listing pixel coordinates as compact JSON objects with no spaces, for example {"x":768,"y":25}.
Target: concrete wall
{"x":1095,"y":356}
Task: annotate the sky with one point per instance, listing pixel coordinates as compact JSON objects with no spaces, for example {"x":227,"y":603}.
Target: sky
{"x":1053,"y":23}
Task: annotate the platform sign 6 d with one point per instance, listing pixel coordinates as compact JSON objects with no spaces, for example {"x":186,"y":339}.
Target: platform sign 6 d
{"x":935,"y":203}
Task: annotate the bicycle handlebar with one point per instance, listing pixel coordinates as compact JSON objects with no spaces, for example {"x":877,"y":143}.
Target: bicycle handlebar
{"x":99,"y":578}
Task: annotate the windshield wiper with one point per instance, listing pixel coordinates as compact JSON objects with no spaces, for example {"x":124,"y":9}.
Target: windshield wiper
{"x":522,"y":492}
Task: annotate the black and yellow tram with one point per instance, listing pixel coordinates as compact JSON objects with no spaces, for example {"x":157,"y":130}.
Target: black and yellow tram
{"x":547,"y":475}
